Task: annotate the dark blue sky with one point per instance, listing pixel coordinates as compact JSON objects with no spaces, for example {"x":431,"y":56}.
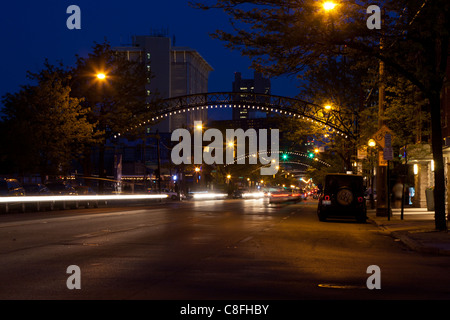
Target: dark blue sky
{"x":34,"y":30}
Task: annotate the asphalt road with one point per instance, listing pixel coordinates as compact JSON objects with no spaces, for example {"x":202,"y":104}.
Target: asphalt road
{"x":228,"y":249}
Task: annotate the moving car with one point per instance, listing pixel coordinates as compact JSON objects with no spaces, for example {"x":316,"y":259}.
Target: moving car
{"x":285,"y":195}
{"x":342,"y":197}
{"x":174,"y":195}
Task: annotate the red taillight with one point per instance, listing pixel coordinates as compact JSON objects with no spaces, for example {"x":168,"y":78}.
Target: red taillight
{"x":360,"y":199}
{"x":280,"y":195}
{"x":326,"y":198}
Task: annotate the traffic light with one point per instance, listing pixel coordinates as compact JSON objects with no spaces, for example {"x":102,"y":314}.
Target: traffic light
{"x":285,"y":156}
{"x":310,"y":155}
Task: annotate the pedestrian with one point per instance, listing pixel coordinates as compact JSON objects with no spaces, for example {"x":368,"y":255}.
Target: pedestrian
{"x":397,"y":190}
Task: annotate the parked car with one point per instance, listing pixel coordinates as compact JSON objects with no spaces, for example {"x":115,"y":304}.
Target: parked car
{"x":38,"y":189}
{"x":11,"y":188}
{"x":63,"y":189}
{"x":342,"y":197}
{"x":87,"y":191}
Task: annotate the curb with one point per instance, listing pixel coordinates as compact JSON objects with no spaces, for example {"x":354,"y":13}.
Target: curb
{"x":411,"y":243}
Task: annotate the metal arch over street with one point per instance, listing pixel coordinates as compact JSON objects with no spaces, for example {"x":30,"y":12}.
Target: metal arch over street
{"x":295,"y":153}
{"x":255,"y":101}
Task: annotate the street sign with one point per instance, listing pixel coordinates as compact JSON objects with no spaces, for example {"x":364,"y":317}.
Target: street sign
{"x":362,"y":153}
{"x":381,"y":161}
{"x":388,"y":153}
{"x":388,"y":140}
{"x":380,"y":136}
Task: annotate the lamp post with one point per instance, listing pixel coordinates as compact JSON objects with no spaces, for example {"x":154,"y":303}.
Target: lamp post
{"x":372,"y":144}
{"x":101,"y":77}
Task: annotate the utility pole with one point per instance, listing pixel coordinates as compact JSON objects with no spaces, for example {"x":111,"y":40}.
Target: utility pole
{"x":158,"y":176}
{"x":382,"y":210}
{"x":159,"y":160}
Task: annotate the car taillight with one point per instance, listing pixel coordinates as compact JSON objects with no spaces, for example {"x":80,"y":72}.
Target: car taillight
{"x":326,"y":198}
{"x":280,"y":195}
{"x":360,"y":199}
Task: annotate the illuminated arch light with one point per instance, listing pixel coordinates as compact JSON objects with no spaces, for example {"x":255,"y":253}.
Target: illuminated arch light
{"x":327,"y":127}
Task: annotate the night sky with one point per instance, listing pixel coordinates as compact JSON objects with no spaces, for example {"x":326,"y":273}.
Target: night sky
{"x":35,"y":30}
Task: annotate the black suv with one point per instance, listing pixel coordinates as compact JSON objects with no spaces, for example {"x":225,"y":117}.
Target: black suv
{"x":343,"y":196}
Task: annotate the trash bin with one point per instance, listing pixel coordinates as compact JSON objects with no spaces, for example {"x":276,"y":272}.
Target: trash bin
{"x":429,"y":194}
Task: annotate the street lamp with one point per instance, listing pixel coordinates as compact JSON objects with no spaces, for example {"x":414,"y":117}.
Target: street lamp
{"x":329,"y":5}
{"x":101,"y":76}
{"x":328,"y":107}
{"x":372,"y":143}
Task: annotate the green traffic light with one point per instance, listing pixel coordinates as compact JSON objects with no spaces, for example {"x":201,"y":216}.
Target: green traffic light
{"x":285,"y":156}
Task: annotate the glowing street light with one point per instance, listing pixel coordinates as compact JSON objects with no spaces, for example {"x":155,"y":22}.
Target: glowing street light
{"x":101,"y":76}
{"x":328,"y":107}
{"x":329,"y":5}
{"x":372,"y":143}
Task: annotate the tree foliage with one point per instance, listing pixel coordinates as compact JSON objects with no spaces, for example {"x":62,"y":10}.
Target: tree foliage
{"x":292,"y":36}
{"x":117,"y":102}
{"x":47,"y":127}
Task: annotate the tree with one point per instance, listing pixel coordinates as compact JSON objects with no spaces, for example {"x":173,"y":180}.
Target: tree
{"x":290,"y":36}
{"x":47,"y":126}
{"x":118,"y":101}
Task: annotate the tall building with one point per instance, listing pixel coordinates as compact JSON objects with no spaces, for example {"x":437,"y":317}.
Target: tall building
{"x":175,"y":71}
{"x":258,"y":84}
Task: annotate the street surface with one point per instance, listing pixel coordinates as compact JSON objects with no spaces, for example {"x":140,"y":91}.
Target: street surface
{"x":226,"y":249}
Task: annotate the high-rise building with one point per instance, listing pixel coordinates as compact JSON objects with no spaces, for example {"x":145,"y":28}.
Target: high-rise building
{"x":258,"y":84}
{"x":175,"y":71}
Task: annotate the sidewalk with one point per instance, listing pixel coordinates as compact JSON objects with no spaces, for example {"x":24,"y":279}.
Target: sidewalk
{"x":416,"y":230}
